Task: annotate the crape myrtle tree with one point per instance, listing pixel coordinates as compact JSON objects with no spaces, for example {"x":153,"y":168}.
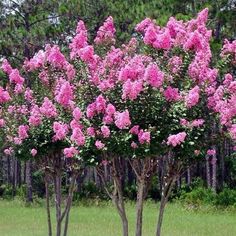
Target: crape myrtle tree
{"x":147,"y":101}
{"x":44,"y":123}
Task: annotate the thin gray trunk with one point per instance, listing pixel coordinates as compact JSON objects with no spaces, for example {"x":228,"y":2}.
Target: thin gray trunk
{"x":167,"y":188}
{"x":139,"y":207}
{"x":208,"y":176}
{"x":48,"y":205}
{"x":29,"y":197}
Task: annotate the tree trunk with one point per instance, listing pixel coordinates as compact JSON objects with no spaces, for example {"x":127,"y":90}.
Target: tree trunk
{"x":167,"y":188}
{"x":208,"y":176}
{"x":213,"y":162}
{"x":69,"y":203}
{"x":48,"y":205}
{"x":29,"y":197}
{"x":118,"y":201}
{"x":57,"y":186}
{"x":139,"y":207}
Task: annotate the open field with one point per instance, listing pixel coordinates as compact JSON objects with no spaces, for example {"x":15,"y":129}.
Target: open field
{"x":17,"y":220}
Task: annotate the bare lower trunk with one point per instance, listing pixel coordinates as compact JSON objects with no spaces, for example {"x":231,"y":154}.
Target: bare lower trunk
{"x":57,"y":185}
{"x":29,"y":197}
{"x":164,"y":198}
{"x":139,"y":208}
{"x":208,"y":172}
{"x":48,"y":206}
{"x":144,"y":169}
{"x":118,"y":201}
{"x":69,"y":203}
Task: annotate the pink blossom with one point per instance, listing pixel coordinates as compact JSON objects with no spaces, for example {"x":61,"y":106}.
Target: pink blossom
{"x":36,"y":62}
{"x":122,"y":119}
{"x":6,"y":67}
{"x":91,"y":110}
{"x":105,"y":131}
{"x":107,"y":119}
{"x":106,"y":32}
{"x":91,"y":131}
{"x":100,"y":104}
{"x":4,"y":96}
{"x":197,"y":123}
{"x":15,"y":77}
{"x":134,"y":130}
{"x":175,"y":63}
{"x":77,"y":114}
{"x":144,"y":136}
{"x":143,"y":25}
{"x":131,"y":90}
{"x":176,"y":139}
{"x":75,"y":124}
{"x":48,"y":109}
{"x":211,"y":152}
{"x":134,"y":145}
{"x":70,"y":152}
{"x":28,"y":95}
{"x":110,"y":109}
{"x":65,"y":94}
{"x":60,"y":130}
{"x":172,"y":94}
{"x":78,"y":136}
{"x":99,"y":144}
{"x":163,"y":40}
{"x":35,"y":118}
{"x":9,"y":151}
{"x":33,"y":152}
{"x":192,"y":97}
{"x":2,"y":123}
{"x":79,"y":41}
{"x":54,"y":56}
{"x":154,"y":76}
{"x":17,"y":141}
{"x":23,"y":131}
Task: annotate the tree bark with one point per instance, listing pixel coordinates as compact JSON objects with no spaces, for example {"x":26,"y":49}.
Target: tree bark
{"x":139,"y":207}
{"x":48,"y":204}
{"x":69,"y":203}
{"x":168,"y":186}
{"x":29,"y":197}
{"x":57,"y":186}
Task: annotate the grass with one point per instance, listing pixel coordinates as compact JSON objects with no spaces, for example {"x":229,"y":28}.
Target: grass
{"x":18,"y":220}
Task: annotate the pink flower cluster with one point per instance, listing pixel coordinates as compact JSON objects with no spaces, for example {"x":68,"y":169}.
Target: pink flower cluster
{"x":60,"y":130}
{"x":211,"y":152}
{"x":176,"y":139}
{"x":106,"y":32}
{"x":4,"y":96}
{"x":192,"y":98}
{"x":70,"y":152}
{"x":143,"y":136}
{"x":122,"y":119}
{"x":48,"y":109}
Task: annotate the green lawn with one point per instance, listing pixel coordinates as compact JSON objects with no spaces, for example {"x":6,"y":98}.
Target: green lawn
{"x":17,"y":220}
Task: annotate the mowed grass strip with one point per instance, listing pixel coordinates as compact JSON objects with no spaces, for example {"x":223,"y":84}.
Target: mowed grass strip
{"x":18,"y":220}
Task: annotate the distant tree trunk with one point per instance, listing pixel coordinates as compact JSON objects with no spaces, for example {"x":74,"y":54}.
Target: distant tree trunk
{"x":208,"y":174}
{"x":213,"y":162}
{"x":188,"y":176}
{"x":29,"y":196}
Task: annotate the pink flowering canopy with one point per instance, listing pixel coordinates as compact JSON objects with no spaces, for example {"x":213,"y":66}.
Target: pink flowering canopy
{"x":159,"y":92}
